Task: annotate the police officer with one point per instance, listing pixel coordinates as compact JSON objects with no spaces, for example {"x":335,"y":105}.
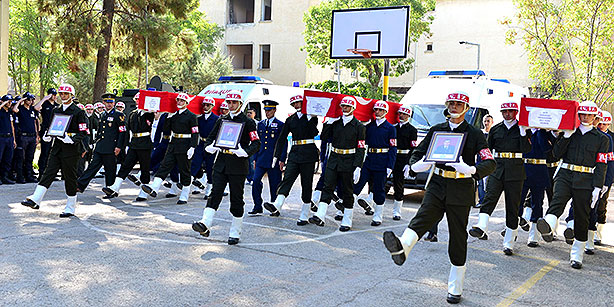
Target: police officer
{"x":184,"y":139}
{"x":407,"y":140}
{"x":7,"y":139}
{"x":451,"y":191}
{"x":381,"y":141}
{"x":609,"y":178}
{"x":269,"y":130}
{"x":45,"y":106}
{"x":230,"y":168}
{"x":64,"y":155}
{"x":203,"y":160}
{"x":109,"y":142}
{"x":509,"y":141}
{"x":28,"y":125}
{"x":139,"y":149}
{"x":301,"y":159}
{"x":347,"y":141}
{"x":581,"y":176}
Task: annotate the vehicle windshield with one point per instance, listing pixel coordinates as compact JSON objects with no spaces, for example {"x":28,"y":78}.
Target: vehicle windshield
{"x":426,"y":115}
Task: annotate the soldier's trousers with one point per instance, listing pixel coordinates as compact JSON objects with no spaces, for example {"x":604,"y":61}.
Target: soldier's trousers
{"x":398,"y":182}
{"x":157,"y":155}
{"x":431,"y":211}
{"x":592,"y":217}
{"x":563,"y":192}
{"x":512,"y":191}
{"x":376,"y":180}
{"x":68,"y":165}
{"x":181,"y":161}
{"x":6,"y":155}
{"x":294,"y":169}
{"x":44,"y":155}
{"x":236,"y":183}
{"x":320,"y":183}
{"x":28,"y":144}
{"x":202,"y":161}
{"x":536,"y":203}
{"x":550,"y":188}
{"x":602,"y":205}
{"x":99,"y":160}
{"x":132,"y":157}
{"x":331,"y":178}
{"x":274,"y":176}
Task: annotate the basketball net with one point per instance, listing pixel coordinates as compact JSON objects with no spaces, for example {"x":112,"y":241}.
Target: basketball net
{"x":366,"y":53}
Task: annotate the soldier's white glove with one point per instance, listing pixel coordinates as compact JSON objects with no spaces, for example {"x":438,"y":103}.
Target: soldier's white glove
{"x":331,"y":120}
{"x":421,"y":166}
{"x":239,"y":152}
{"x":523,"y":130}
{"x":274,"y":164}
{"x":356,"y":175}
{"x":596,"y":192}
{"x":46,"y":138}
{"x":212,"y":149}
{"x":190,"y":152}
{"x":603,"y":191}
{"x":67,"y":140}
{"x":388,"y":172}
{"x":406,"y":171}
{"x":567,"y":133}
{"x":463,"y":167}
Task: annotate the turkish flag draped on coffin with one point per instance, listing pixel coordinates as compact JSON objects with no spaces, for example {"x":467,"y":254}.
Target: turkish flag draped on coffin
{"x":167,"y":102}
{"x":327,"y":104}
{"x":548,"y":114}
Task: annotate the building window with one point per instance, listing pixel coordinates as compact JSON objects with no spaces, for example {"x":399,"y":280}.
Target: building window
{"x":429,"y":47}
{"x":240,"y":11}
{"x":266,"y":10}
{"x":265,"y":56}
{"x":241,"y":56}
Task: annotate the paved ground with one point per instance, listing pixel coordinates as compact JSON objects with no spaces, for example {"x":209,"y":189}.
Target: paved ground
{"x":123,"y":253}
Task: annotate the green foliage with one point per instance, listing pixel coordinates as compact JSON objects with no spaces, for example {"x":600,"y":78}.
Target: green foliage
{"x":361,"y":89}
{"x":317,"y":36}
{"x":83,"y":80}
{"x":570,"y":46}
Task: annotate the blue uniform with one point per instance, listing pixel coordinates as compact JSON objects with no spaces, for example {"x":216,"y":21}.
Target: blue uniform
{"x":6,"y":142}
{"x":205,"y":125}
{"x":381,"y":141}
{"x":269,"y":132}
{"x":538,"y":176}
{"x":161,"y":139}
{"x":27,"y":126}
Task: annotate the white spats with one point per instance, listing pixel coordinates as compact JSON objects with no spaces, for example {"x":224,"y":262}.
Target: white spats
{"x":347,"y":217}
{"x":117,"y":184}
{"x":142,"y":194}
{"x":185,"y":193}
{"x":598,"y":233}
{"x":526,"y":214}
{"x":377,"y":216}
{"x":396,"y":211}
{"x":304,"y":212}
{"x":570,"y":224}
{"x":510,"y":236}
{"x":38,"y":195}
{"x":71,"y":204}
{"x":483,"y":221}
{"x":155,"y":185}
{"x":174,"y":189}
{"x":532,"y":233}
{"x":577,"y":251}
{"x":208,"y":189}
{"x":315,"y":196}
{"x":590,"y":243}
{"x":408,"y":240}
{"x":208,"y":215}
{"x":456,"y":279}
{"x":552,"y":221}
{"x":279,"y":202}
{"x":235,"y":227}
{"x":321,"y":213}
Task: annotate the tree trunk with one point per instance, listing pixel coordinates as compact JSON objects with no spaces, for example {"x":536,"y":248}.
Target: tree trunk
{"x":102,"y":58}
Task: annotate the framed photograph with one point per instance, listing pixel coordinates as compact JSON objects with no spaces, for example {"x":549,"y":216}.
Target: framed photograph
{"x":59,"y":125}
{"x":445,"y":147}
{"x":229,"y":135}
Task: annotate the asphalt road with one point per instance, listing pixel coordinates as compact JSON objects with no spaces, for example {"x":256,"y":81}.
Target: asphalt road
{"x":119,"y":253}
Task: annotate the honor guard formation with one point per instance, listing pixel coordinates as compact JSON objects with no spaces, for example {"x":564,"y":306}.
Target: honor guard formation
{"x":190,"y":154}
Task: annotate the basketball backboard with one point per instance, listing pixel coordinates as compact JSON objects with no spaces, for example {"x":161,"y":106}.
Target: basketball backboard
{"x":383,"y":30}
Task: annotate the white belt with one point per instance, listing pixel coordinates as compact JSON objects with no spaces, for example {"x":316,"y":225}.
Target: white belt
{"x":142,"y":134}
{"x":343,"y":151}
{"x":449,"y":174}
{"x":378,"y":150}
{"x":577,"y":168}
{"x":403,"y":151}
{"x":508,"y":155}
{"x":303,"y":142}
{"x":181,"y":135}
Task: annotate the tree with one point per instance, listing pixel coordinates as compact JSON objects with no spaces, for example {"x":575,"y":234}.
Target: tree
{"x":569,"y":46}
{"x":317,"y":36}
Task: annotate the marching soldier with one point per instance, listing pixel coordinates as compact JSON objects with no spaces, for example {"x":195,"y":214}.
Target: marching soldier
{"x":65,"y":153}
{"x":381,"y":141}
{"x":301,"y":159}
{"x":109,"y":143}
{"x":407,"y":140}
{"x":184,"y":139}
{"x":609,"y":178}
{"x":230,"y":168}
{"x":269,"y":130}
{"x":7,"y":139}
{"x":139,"y":149}
{"x":224,"y":109}
{"x":509,"y":141}
{"x":347,"y":141}
{"x":581,"y":176}
{"x":45,"y":106}
{"x":203,"y":160}
{"x":451,"y":191}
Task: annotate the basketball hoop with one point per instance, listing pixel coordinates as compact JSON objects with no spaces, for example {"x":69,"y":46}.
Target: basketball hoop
{"x":366,"y":53}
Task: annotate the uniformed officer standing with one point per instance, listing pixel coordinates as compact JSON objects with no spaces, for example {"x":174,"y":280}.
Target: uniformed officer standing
{"x":407,"y":140}
{"x":508,"y":141}
{"x":202,"y":160}
{"x":230,"y":168}
{"x":347,"y":141}
{"x":45,"y":106}
{"x":580,"y":177}
{"x":139,"y":149}
{"x":301,"y":159}
{"x":64,"y":155}
{"x":381,"y":141}
{"x":94,"y":121}
{"x":184,"y":139}
{"x":451,"y":191}
{"x":7,"y":139}
{"x":609,"y":178}
{"x":28,"y":126}
{"x":269,"y":130}
{"x":109,"y":142}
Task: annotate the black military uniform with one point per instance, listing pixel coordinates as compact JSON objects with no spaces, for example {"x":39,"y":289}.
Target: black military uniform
{"x":508,"y":145}
{"x":407,"y":139}
{"x":139,"y":150}
{"x":46,"y":112}
{"x":347,"y":141}
{"x":111,"y":134}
